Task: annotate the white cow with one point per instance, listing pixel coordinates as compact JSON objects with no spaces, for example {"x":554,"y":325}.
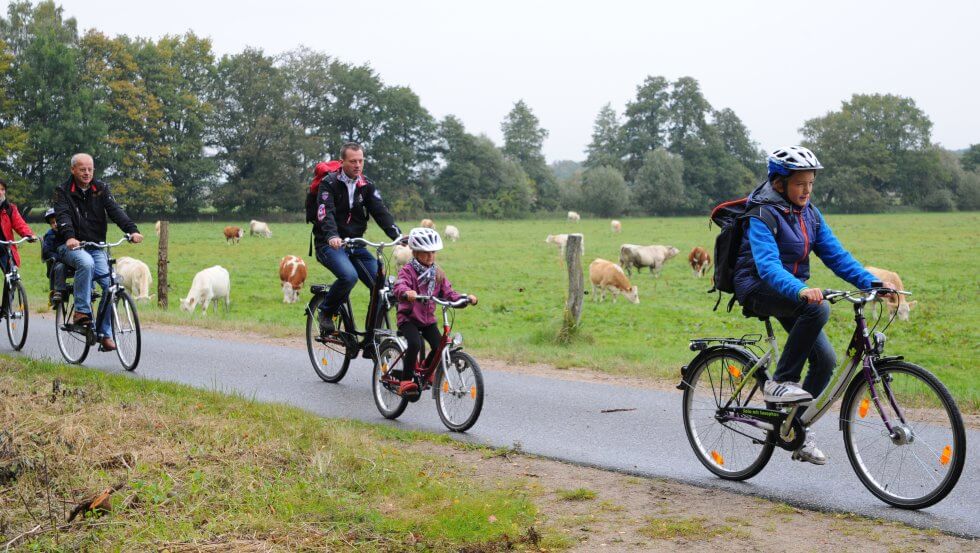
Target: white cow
{"x":260,"y":228}
{"x":402,"y":255}
{"x":135,"y":276}
{"x":156,"y":227}
{"x":209,"y":284}
{"x":452,"y":233}
{"x":292,"y":274}
{"x":561,"y":240}
{"x":606,"y":275}
{"x":574,"y":217}
{"x":615,"y":226}
{"x":654,"y":257}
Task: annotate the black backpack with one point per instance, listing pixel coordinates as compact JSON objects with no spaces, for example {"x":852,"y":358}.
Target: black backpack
{"x":731,"y":217}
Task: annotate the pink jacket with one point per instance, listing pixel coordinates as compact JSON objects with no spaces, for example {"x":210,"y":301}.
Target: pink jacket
{"x":420,"y":313}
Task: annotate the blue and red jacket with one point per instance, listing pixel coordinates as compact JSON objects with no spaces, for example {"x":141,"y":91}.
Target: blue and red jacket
{"x":776,"y":254}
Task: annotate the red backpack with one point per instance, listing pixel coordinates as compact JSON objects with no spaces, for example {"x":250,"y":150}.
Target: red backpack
{"x":319,"y":173}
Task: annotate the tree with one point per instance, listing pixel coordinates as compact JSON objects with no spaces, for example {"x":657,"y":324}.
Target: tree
{"x":659,"y":184}
{"x":565,"y":168}
{"x":971,"y":158}
{"x":604,"y":192}
{"x":646,"y":122}
{"x":13,"y":137}
{"x":523,"y":139}
{"x":688,"y":114}
{"x":606,"y":147}
{"x":735,"y":138}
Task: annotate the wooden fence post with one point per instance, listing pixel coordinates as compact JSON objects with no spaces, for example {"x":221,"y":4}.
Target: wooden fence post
{"x":162,"y":262}
{"x":576,"y":287}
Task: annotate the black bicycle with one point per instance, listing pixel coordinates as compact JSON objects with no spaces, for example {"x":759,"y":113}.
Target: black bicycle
{"x":331,"y":354}
{"x":15,"y":310}
{"x":75,"y":340}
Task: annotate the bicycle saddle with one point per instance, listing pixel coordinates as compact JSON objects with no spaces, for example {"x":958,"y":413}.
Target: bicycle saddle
{"x":748,"y":313}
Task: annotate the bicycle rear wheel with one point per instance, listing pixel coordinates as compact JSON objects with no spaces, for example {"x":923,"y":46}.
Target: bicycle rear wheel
{"x":459,"y":398}
{"x":126,"y":330}
{"x":17,"y":315}
{"x":328,"y":355}
{"x":919,"y":462}
{"x":74,"y":345}
{"x":391,"y":358}
{"x":731,"y":450}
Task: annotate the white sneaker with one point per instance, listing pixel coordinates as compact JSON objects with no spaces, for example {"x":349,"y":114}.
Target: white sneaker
{"x":785,"y":392}
{"x":809,"y":451}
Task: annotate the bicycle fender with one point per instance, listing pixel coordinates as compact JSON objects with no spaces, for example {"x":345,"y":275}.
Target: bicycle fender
{"x":703,"y":354}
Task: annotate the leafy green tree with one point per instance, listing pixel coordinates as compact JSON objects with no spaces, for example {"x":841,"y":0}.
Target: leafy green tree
{"x":646,"y":123}
{"x":735,"y":137}
{"x":688,"y":114}
{"x":607,"y":147}
{"x":523,"y":139}
{"x":13,"y":137}
{"x":659,"y":184}
{"x":565,"y":168}
{"x":971,"y":158}
{"x":604,"y":191}
{"x":259,"y":145}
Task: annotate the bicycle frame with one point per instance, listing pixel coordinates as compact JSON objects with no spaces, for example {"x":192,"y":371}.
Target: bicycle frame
{"x":441,"y":356}
{"x":12,"y":274}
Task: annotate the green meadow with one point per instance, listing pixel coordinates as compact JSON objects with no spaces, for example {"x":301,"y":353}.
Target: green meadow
{"x":522,"y":288}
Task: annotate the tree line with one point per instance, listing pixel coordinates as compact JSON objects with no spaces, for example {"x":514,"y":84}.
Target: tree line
{"x":178,"y":130}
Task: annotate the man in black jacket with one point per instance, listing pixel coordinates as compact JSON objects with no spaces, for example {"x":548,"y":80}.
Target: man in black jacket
{"x":82,"y":206}
{"x":344,"y":201}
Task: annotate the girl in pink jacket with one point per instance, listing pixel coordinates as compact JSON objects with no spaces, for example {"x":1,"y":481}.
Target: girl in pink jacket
{"x":417,"y":320}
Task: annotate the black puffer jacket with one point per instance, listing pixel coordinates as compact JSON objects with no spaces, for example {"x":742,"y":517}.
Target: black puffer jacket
{"x":83,"y":215}
{"x":336,"y":218}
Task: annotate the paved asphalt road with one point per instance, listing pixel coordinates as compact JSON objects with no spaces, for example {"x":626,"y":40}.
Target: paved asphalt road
{"x":552,"y":418}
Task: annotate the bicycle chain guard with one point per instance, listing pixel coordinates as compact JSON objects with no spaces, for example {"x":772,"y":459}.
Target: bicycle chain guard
{"x":775,"y":418}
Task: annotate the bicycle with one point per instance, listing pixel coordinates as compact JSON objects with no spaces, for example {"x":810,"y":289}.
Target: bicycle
{"x":15,"y":310}
{"x":75,"y":340}
{"x":903,"y":433}
{"x":457,"y":388}
{"x":331,"y":355}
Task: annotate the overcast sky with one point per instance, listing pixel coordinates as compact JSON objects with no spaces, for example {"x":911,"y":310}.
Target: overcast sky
{"x":776,"y":64}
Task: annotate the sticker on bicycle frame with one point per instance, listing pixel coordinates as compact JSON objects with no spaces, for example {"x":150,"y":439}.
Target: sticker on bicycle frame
{"x":718,"y":458}
{"x":734,"y":371}
{"x":946,"y":456}
{"x":863,"y":408}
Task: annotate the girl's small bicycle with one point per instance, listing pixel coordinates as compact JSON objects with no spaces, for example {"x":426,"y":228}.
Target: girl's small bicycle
{"x":903,"y":433}
{"x":15,"y":310}
{"x":453,"y":375}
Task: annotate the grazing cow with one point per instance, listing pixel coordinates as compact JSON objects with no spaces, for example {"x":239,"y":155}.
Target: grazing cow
{"x":135,"y":276}
{"x":898,"y":303}
{"x":616,"y":226}
{"x":156,"y":227}
{"x":209,"y":284}
{"x":561,"y":240}
{"x":606,"y":275}
{"x":574,"y":217}
{"x":452,"y":233}
{"x":260,"y":228}
{"x":233,"y":234}
{"x":427,"y":223}
{"x":654,"y":257}
{"x":700,"y":260}
{"x":292,"y":274}
{"x":402,"y":255}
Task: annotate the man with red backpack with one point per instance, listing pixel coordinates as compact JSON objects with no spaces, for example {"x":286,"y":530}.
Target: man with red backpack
{"x":344,"y":200}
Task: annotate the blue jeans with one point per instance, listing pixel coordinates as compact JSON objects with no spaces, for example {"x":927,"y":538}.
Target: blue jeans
{"x":90,"y":264}
{"x":806,"y":341}
{"x":348,"y":268}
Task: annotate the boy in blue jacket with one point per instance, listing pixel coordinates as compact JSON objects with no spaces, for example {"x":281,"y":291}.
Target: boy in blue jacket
{"x":49,"y":254}
{"x":771,"y":271}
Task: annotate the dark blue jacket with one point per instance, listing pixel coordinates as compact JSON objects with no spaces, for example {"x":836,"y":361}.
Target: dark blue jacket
{"x":779,"y":257}
{"x":49,"y":246}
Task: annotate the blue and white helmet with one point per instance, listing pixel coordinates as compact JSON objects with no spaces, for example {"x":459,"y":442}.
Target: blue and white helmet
{"x":423,"y":239}
{"x":794,"y":158}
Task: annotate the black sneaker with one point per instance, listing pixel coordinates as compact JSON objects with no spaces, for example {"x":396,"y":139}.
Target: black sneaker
{"x":326,"y":323}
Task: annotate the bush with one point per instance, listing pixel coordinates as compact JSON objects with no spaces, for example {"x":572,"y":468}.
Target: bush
{"x":940,"y":199}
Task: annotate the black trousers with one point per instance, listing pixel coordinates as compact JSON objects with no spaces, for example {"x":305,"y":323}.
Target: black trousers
{"x":413,"y":335}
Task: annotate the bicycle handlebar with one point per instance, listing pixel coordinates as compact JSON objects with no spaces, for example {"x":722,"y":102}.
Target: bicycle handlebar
{"x":104,"y":245}
{"x":12,"y":243}
{"x":461,"y":302}
{"x":860,"y":296}
{"x":355,"y":242}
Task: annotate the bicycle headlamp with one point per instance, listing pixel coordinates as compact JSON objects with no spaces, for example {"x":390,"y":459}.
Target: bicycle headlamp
{"x":879,"y":343}
{"x":457,"y":339}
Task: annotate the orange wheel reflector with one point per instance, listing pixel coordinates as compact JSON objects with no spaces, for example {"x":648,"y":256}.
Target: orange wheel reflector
{"x":863,"y":408}
{"x":946,"y":456}
{"x":734,"y":371}
{"x":323,"y":361}
{"x":717,"y":457}
{"x":445,"y":386}
{"x":384,"y":368}
{"x":473,"y":392}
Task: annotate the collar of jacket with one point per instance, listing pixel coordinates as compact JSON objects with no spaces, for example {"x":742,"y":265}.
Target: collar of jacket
{"x":77,"y":190}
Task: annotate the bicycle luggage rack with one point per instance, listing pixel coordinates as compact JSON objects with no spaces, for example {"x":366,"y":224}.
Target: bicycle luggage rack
{"x":699,"y":344}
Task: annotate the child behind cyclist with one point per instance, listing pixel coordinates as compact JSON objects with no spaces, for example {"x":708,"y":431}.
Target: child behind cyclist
{"x":49,"y":254}
{"x":416,"y":320}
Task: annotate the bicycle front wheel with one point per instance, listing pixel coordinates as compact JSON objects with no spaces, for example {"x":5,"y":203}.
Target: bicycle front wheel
{"x":730,"y":449}
{"x":390,"y":359}
{"x":919,"y":461}
{"x":328,"y":354}
{"x":17,"y":315}
{"x":126,"y":330}
{"x":459,"y":396}
{"x":74,"y":345}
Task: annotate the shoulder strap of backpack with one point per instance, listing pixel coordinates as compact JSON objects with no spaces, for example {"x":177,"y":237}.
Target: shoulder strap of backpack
{"x":764,"y":215}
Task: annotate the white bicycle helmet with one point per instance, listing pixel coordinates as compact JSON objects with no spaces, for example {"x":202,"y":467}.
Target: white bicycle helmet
{"x":423,"y":239}
{"x":794,"y":158}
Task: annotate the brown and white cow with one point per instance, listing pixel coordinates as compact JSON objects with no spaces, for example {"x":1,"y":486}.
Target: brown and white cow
{"x":292,"y":274}
{"x":606,"y":275}
{"x":700,"y":260}
{"x":233,"y":234}
{"x":427,"y":223}
{"x":896,"y":303}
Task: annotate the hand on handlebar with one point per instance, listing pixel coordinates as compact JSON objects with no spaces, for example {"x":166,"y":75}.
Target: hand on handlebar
{"x":472,"y":299}
{"x":336,"y":242}
{"x":410,"y":296}
{"x":811,"y":295}
{"x":72,"y":243}
{"x":136,"y":238}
